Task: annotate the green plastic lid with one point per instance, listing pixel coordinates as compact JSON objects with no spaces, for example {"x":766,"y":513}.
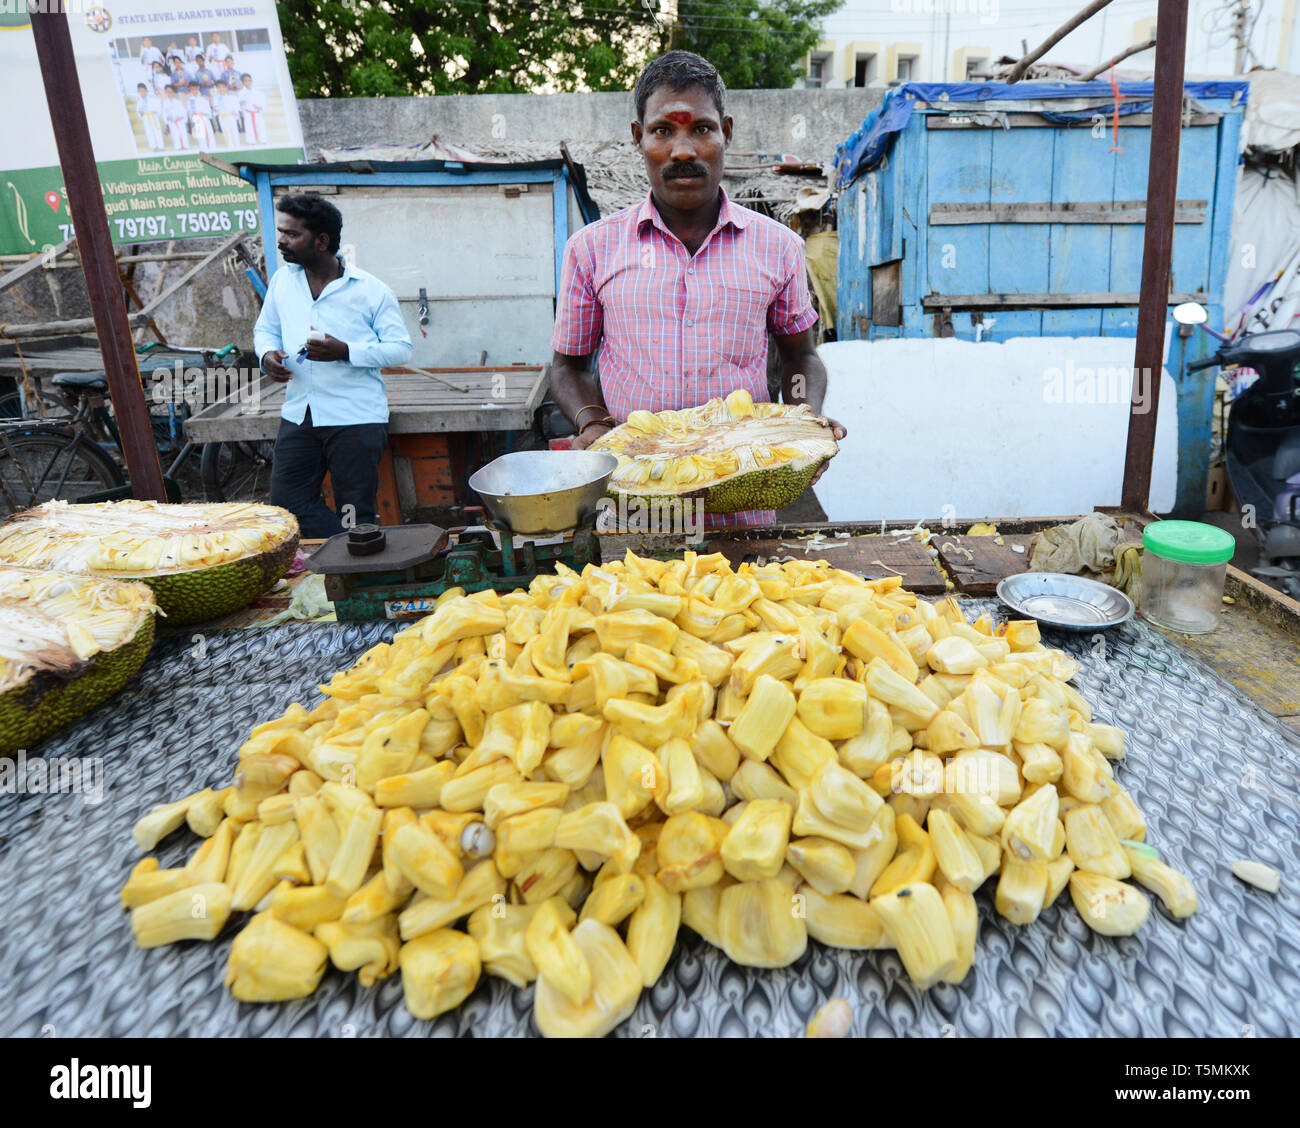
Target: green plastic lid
{"x":1189,"y":542}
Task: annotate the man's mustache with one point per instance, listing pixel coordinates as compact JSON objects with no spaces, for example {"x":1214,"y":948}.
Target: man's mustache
{"x":675,"y":172}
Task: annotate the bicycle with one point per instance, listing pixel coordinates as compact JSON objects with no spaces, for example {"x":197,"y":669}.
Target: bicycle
{"x":80,"y":456}
{"x":20,"y":405}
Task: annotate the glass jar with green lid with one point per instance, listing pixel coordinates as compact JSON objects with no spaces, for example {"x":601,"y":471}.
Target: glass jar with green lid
{"x":1184,"y":565}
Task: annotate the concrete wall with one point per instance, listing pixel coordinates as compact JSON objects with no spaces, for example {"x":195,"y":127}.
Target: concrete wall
{"x":809,"y":123}
{"x":220,"y":305}
{"x":989,"y":412}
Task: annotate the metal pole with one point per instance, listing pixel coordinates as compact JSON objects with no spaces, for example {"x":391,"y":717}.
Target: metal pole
{"x":1157,"y":249}
{"x":86,"y":203}
{"x":1239,"y":34}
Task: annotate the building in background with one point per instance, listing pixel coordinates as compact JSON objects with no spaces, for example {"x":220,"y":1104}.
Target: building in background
{"x":879,"y":42}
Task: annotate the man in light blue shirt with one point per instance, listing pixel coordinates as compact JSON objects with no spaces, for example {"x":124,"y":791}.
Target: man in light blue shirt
{"x":327,"y":328}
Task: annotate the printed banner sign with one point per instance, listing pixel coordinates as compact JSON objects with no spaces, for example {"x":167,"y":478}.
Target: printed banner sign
{"x":161,"y":84}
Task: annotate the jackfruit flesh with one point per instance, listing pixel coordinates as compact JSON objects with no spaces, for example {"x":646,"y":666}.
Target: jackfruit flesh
{"x":744,"y":455}
{"x":763,"y":754}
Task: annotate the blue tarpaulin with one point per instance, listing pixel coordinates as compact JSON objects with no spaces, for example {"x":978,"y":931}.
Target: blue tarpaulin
{"x":868,"y":146}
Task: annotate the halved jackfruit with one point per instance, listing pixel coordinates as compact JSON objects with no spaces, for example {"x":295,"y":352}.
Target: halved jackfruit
{"x":202,"y":561}
{"x":67,"y":643}
{"x":742,"y":454}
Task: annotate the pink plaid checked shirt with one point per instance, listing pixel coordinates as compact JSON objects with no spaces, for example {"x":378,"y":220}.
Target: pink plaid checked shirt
{"x":676,"y":330}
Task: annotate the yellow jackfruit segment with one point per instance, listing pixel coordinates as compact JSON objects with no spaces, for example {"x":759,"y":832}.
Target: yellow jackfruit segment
{"x":637,"y":764}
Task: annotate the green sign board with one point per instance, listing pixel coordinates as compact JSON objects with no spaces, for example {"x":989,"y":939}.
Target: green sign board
{"x":161,"y":85}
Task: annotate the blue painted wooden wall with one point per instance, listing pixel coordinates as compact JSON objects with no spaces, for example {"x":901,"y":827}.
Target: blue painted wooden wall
{"x":884,"y":217}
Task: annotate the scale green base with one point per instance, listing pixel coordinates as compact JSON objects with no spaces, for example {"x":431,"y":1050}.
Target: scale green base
{"x":31,"y":712}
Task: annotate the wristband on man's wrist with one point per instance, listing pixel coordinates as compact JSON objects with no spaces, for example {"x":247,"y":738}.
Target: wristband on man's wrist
{"x":577,"y":419}
{"x":608,"y":423}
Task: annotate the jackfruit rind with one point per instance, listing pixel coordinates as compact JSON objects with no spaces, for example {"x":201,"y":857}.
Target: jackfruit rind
{"x":194,"y":597}
{"x":763,"y":489}
{"x":742,"y":455}
{"x":94,"y":634}
{"x":202,"y":561}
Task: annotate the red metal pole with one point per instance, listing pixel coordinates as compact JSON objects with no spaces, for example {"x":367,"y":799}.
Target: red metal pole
{"x":86,"y":204}
{"x":1157,"y":249}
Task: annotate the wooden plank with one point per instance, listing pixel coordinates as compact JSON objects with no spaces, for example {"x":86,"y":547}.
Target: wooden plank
{"x":1035,"y":121}
{"x":1267,"y":603}
{"x":62,"y":360}
{"x":872,"y":556}
{"x":417,"y":405}
{"x":959,"y":172}
{"x":1072,"y":322}
{"x":1039,"y":213}
{"x":1198,"y":168}
{"x":41,"y":329}
{"x":390,"y":508}
{"x":1132,"y":165}
{"x":1018,"y":256}
{"x":420,"y":446}
{"x":988,"y":562}
{"x":432,"y":481}
{"x":1259,"y":658}
{"x":33,"y":264}
{"x":1078,"y":254}
{"x":211,"y":256}
{"x":487,"y":373}
{"x":1098,"y":298}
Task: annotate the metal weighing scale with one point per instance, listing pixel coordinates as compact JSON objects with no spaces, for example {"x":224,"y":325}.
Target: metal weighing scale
{"x":541,"y":508}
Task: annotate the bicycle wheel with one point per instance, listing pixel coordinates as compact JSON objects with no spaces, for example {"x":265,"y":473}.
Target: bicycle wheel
{"x":45,"y":464}
{"x":50,"y":407}
{"x":237,"y":471}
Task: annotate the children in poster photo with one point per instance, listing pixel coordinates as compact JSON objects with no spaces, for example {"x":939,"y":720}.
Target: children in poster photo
{"x":218,"y":52}
{"x":149,"y":54}
{"x":204,"y":77}
{"x":161,"y":79}
{"x":226,"y":103}
{"x":200,"y":108}
{"x":148,"y":107}
{"x":192,"y":48}
{"x":175,"y":115}
{"x":253,"y":104}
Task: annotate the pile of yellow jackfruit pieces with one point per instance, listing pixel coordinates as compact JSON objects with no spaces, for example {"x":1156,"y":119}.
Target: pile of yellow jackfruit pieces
{"x":764,"y":754}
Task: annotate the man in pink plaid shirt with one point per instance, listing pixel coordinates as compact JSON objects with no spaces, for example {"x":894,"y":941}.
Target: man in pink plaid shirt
{"x":681,"y":291}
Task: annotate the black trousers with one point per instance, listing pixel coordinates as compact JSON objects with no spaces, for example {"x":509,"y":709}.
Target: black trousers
{"x":304,"y":452}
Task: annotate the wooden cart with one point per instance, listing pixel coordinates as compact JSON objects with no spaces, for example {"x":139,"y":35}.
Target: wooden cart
{"x":473,"y":253}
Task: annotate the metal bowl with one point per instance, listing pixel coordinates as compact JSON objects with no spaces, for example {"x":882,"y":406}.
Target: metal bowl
{"x":541,"y":492}
{"x":1069,"y":602}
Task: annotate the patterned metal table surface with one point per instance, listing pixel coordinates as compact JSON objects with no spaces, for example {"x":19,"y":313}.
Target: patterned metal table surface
{"x":1215,"y":777}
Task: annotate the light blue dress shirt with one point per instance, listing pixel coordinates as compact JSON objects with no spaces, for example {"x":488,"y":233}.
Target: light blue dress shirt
{"x":357,"y":309}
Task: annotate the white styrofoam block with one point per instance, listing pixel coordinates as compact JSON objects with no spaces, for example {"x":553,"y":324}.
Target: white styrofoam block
{"x":1034,"y":426}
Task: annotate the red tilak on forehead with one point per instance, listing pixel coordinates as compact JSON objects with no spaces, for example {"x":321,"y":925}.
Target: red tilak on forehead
{"x":681,"y":117}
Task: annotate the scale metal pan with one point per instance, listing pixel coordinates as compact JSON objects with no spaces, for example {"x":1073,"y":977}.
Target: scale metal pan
{"x":543,"y":492}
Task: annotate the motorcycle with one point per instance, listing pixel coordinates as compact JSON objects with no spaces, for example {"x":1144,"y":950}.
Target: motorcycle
{"x":1262,"y":446}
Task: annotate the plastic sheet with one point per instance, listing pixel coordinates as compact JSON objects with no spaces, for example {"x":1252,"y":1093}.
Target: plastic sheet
{"x":868,"y":146}
{"x":1213,"y":775}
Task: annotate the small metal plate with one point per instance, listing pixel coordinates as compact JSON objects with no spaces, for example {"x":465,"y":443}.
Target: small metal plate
{"x":1072,"y":603}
